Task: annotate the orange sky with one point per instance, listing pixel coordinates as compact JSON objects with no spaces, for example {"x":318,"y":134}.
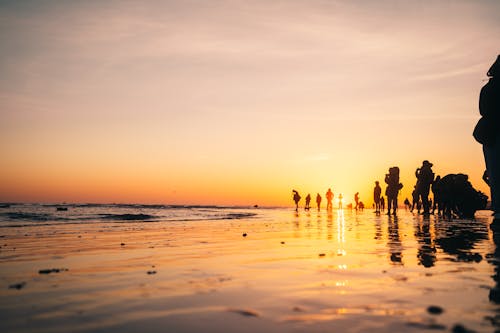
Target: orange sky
{"x":237,"y":102}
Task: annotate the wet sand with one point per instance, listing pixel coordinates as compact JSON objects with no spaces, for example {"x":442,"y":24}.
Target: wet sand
{"x":306,"y":272}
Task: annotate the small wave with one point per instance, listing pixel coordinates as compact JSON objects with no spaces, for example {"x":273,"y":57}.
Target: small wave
{"x":32,"y":216}
{"x":128,"y":217}
{"x":237,"y":216}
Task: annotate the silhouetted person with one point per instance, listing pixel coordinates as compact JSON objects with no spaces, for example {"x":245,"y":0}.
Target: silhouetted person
{"x":487,"y":132}
{"x":392,"y":190}
{"x":377,"y":191}
{"x":356,"y":200}
{"x":340,"y":201}
{"x":407,"y":204}
{"x":414,"y":200}
{"x":436,"y":192}
{"x":361,"y":206}
{"x":425,"y":177}
{"x":318,"y":201}
{"x":308,"y":202}
{"x":296,"y":199}
{"x":329,"y":198}
{"x":382,"y":203}
{"x":486,"y":177}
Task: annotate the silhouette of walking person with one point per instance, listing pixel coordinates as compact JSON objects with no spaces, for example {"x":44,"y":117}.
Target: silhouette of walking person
{"x":425,"y":177}
{"x":487,"y":132}
{"x":318,"y":201}
{"x":308,"y":202}
{"x":392,"y":190}
{"x":407,"y":204}
{"x":382,"y":203}
{"x":329,"y":198}
{"x":340,"y":201}
{"x":377,"y":191}
{"x":296,"y":199}
{"x":356,"y":200}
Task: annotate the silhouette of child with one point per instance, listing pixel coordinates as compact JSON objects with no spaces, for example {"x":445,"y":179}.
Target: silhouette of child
{"x":308,"y":202}
{"x":377,"y":191}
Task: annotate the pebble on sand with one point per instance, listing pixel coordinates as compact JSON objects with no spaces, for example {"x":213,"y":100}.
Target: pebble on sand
{"x":247,"y":313}
{"x":245,"y":234}
{"x":17,"y":286}
{"x":52,"y":270}
{"x":321,"y":254}
{"x":122,"y":244}
{"x":151,"y":272}
{"x":435,"y":310}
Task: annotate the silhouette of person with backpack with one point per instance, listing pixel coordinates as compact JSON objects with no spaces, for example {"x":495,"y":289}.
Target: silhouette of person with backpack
{"x":487,"y":132}
{"x":392,"y":190}
{"x":425,"y":177}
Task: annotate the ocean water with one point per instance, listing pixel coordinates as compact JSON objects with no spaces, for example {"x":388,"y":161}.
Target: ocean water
{"x":137,"y":268}
{"x":19,"y":215}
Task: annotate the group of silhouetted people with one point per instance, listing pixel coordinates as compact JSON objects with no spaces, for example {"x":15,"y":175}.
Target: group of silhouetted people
{"x":329,"y":200}
{"x":453,"y":194}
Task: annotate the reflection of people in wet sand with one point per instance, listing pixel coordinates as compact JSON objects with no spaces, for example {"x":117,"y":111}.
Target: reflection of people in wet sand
{"x":340,"y":201}
{"x":308,"y":202}
{"x":377,"y":191}
{"x":425,"y":177}
{"x":329,"y":198}
{"x":296,"y":199}
{"x":487,"y":132}
{"x":392,"y":190}
{"x":318,"y":201}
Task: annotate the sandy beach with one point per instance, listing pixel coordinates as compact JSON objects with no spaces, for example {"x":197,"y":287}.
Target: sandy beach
{"x":305,"y":272}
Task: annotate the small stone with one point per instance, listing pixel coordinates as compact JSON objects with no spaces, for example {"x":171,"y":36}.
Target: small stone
{"x":321,"y":254}
{"x":52,"y":270}
{"x":122,"y":244}
{"x":17,"y":286}
{"x":245,"y":234}
{"x":458,"y":328}
{"x":282,"y":242}
{"x":435,"y":310}
{"x":151,"y":272}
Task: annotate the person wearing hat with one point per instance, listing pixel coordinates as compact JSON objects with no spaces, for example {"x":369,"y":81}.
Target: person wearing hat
{"x":425,"y":177}
{"x":487,"y":132}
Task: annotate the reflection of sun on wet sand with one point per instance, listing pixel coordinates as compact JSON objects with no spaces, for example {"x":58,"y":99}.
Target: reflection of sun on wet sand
{"x":307,"y":272}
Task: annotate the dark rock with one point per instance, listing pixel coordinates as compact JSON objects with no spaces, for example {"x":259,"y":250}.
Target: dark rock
{"x":321,"y":254}
{"x":458,"y":328}
{"x":122,"y":244}
{"x":435,"y":310}
{"x":151,"y":272}
{"x":17,"y":286}
{"x":282,"y":242}
{"x":247,"y":313}
{"x":245,"y":234}
{"x":52,"y":270}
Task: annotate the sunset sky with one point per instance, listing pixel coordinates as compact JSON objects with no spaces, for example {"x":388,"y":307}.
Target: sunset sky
{"x":237,"y":102}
